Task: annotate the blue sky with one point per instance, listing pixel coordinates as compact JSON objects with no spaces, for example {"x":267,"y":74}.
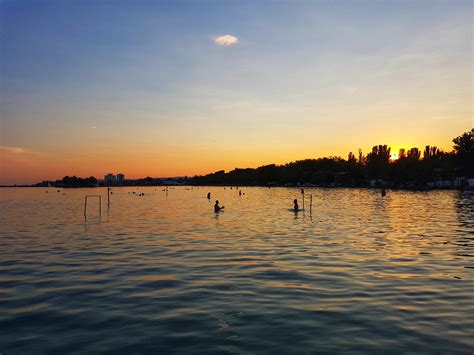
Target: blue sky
{"x":103,"y":84}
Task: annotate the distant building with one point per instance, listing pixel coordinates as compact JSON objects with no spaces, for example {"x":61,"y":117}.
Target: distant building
{"x":120,"y":178}
{"x":110,"y":179}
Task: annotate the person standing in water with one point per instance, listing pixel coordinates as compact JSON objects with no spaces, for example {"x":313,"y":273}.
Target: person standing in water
{"x":295,"y":207}
{"x":208,"y":195}
{"x":217,"y":208}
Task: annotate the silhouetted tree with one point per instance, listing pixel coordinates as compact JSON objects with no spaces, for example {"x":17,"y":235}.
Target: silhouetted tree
{"x":430,"y":152}
{"x":413,"y":153}
{"x":75,"y":181}
{"x":378,"y":161}
{"x":362,"y":160}
{"x":91,"y":180}
{"x":464,"y":149}
{"x":351,"y":159}
{"x":463,"y":144}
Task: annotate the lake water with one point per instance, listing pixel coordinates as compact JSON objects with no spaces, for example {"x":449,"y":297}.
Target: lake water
{"x":163,"y":273}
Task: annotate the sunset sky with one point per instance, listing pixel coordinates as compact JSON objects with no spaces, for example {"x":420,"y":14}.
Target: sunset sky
{"x":170,"y":88}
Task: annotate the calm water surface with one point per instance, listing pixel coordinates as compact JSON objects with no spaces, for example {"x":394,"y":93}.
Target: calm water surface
{"x":164,"y":273}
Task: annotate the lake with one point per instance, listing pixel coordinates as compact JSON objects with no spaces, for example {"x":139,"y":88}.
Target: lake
{"x":163,"y":273}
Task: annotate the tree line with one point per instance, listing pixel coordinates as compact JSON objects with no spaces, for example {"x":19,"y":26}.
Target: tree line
{"x":412,"y":168}
{"x":70,"y":181}
{"x":74,"y":181}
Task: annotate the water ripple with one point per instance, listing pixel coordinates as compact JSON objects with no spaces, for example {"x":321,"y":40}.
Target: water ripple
{"x":164,"y":274}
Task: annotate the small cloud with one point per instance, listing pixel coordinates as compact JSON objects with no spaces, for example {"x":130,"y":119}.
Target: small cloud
{"x":225,"y":40}
{"x":13,"y":150}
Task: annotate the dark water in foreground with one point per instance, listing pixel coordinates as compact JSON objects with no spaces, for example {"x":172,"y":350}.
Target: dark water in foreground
{"x":162,"y":273}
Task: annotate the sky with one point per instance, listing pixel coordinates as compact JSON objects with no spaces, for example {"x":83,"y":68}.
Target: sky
{"x":174,"y":88}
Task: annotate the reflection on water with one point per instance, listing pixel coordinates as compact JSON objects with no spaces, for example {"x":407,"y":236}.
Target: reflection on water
{"x":163,"y":272}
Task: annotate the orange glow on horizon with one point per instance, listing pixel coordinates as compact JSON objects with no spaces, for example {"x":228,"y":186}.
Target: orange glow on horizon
{"x":27,"y":167}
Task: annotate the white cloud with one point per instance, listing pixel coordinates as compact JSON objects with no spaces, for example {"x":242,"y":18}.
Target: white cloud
{"x":225,"y":40}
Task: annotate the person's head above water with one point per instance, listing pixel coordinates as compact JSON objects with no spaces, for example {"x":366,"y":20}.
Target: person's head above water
{"x":217,"y":202}
{"x":295,"y":201}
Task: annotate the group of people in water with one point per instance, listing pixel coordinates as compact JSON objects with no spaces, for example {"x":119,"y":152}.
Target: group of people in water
{"x":218,"y":208}
{"x":296,"y":207}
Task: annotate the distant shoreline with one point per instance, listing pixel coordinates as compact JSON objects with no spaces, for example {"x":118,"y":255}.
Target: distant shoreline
{"x":417,"y":189}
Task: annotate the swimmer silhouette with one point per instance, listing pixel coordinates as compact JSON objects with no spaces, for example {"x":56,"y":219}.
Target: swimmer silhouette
{"x":217,"y":208}
{"x":208,"y":195}
{"x":383,"y":192}
{"x":295,"y":207}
